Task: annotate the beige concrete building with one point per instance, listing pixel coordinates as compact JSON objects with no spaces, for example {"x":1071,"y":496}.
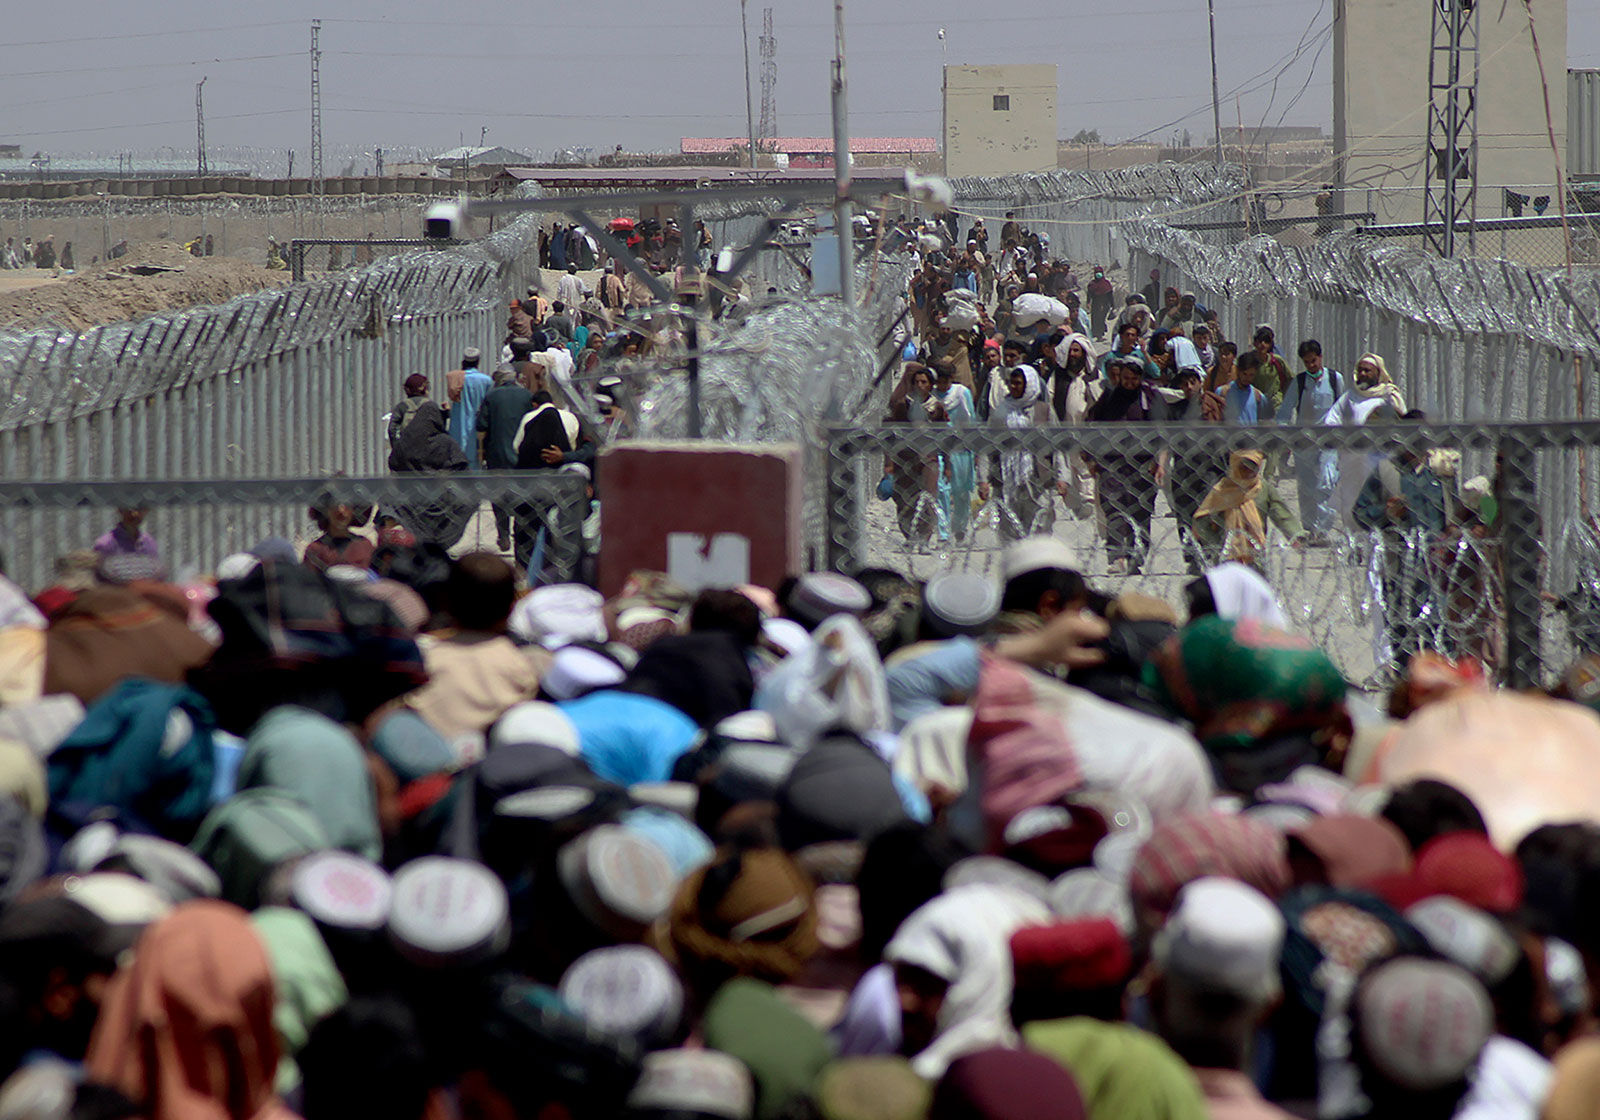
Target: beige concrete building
{"x":1380,"y":103}
{"x":999,"y":120}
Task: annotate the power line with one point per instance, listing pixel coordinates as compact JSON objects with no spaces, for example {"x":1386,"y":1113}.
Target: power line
{"x":167,"y":34}
{"x":56,"y":73}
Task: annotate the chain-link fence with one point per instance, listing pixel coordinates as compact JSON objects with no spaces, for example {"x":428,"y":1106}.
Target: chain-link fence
{"x":198,"y":522}
{"x":1379,"y":540}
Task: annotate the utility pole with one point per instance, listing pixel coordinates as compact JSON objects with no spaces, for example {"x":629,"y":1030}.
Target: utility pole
{"x":842,"y":225}
{"x":1216,"y":104}
{"x":749,"y":105}
{"x":769,"y":80}
{"x":200,"y":126}
{"x":316,"y":106}
{"x":1452,"y":152}
{"x":944,"y":100}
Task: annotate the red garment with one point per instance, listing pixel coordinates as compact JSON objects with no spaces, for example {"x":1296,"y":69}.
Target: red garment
{"x":1021,"y":746}
{"x":1070,"y":957}
{"x":324,"y":552}
{"x":1465,"y":865}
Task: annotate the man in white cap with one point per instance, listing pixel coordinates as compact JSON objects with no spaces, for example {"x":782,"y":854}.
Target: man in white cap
{"x":1217,"y":958}
{"x":1041,"y":577}
{"x":467,"y":387}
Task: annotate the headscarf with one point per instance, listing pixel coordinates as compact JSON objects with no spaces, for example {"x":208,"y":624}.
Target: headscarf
{"x":963,"y":936}
{"x":1234,"y":497}
{"x":1352,"y":851}
{"x":425,"y":444}
{"x":307,"y":982}
{"x":840,"y":789}
{"x":309,"y":755}
{"x":1243,"y":683}
{"x":1121,"y":1070}
{"x":186,"y":1029}
{"x":1017,"y":412}
{"x":1193,"y":847}
{"x":1240,"y":593}
{"x":1385,"y":389}
{"x":1066,"y":377}
{"x":747,"y":913}
{"x":109,"y":633}
{"x":1129,"y":313}
{"x":1007,"y":1085}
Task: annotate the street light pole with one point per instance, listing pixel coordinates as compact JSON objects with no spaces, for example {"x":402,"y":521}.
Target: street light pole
{"x":1216,"y":105}
{"x":842,"y":226}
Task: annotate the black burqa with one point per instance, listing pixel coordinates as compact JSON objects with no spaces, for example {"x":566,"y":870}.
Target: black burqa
{"x":425,"y":445}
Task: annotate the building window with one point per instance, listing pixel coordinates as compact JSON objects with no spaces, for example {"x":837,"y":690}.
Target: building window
{"x":1002,"y":102}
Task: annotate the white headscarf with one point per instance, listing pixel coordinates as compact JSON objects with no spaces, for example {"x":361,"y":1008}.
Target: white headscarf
{"x":1017,"y":412}
{"x":1240,"y":593}
{"x":964,"y":936}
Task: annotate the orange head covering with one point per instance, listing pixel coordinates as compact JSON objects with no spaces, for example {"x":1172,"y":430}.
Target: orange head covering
{"x":186,"y":1028}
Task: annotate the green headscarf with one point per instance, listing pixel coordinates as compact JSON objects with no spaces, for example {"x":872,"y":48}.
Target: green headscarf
{"x":1241,"y":682}
{"x":785,"y":1053}
{"x":1123,"y":1073}
{"x":315,"y":759}
{"x":307,"y":987}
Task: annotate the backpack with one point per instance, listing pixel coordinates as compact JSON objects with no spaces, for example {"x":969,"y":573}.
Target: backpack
{"x":1334,"y":377}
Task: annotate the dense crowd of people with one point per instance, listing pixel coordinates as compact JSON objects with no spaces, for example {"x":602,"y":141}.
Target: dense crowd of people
{"x":375,"y":826}
{"x":368,"y":830}
{"x":1002,"y":339}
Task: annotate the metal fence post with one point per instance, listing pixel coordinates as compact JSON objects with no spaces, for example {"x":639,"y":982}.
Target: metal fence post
{"x":1519,"y":534}
{"x":842,"y":517}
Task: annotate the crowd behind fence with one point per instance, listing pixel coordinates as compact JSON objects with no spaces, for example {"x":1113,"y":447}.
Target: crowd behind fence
{"x":293,"y":383}
{"x":1505,"y":567}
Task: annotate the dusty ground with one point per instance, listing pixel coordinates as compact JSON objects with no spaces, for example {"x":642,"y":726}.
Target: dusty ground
{"x":111,"y":292}
{"x":16,"y":280}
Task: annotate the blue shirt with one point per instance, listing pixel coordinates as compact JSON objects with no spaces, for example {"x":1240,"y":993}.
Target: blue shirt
{"x":464,"y":413}
{"x":627,"y":738}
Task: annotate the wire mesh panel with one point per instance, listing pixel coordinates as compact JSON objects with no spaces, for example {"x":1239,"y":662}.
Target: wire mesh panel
{"x":198,"y":522}
{"x":1379,"y":540}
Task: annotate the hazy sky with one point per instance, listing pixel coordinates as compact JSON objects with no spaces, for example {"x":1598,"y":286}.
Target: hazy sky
{"x":399,"y":75}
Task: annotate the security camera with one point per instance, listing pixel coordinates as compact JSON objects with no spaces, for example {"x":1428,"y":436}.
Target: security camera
{"x":444,"y":221}
{"x":930,"y":190}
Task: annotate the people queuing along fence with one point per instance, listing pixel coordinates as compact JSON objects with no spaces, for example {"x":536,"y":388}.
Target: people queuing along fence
{"x":1476,"y":579}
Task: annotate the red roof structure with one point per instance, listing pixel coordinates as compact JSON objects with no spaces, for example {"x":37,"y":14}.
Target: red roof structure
{"x":813,"y":145}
